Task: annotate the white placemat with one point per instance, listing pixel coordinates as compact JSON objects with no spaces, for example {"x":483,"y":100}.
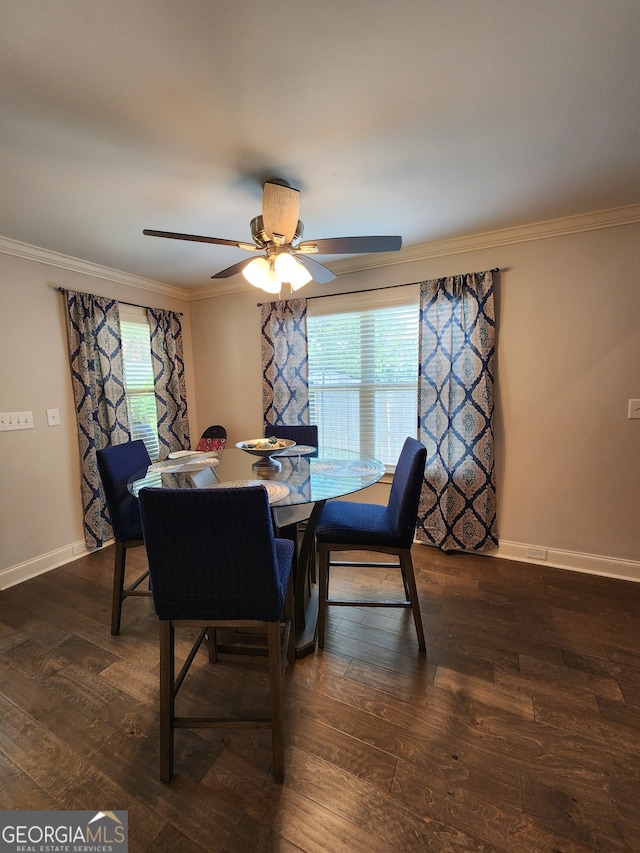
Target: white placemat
{"x":186,"y":463}
{"x":297,"y":450}
{"x":346,"y":468}
{"x":276,"y":491}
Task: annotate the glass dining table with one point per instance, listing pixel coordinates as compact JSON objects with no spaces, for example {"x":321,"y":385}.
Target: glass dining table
{"x":293,"y":478}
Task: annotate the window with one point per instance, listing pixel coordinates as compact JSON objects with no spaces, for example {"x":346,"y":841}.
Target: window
{"x":363,"y":370}
{"x":138,"y":373}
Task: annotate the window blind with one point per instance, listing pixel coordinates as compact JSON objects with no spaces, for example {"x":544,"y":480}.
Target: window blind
{"x":138,"y":372}
{"x":363,"y":370}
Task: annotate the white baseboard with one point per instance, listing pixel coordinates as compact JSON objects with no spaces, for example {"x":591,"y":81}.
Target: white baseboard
{"x":39,"y":565}
{"x":592,"y":564}
{"x":574,"y":561}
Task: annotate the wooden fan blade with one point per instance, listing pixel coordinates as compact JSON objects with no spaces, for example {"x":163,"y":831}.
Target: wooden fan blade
{"x":353,"y":245}
{"x":233,"y":270}
{"x":317,"y":271}
{"x":280,"y":210}
{"x":240,"y":244}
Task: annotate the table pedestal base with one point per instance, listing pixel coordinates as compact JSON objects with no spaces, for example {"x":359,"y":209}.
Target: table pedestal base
{"x":305,"y":588}
{"x":307,"y":635}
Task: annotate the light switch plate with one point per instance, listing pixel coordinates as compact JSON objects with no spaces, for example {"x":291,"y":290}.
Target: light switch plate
{"x":53,"y":417}
{"x":15,"y":420}
{"x":634,"y":409}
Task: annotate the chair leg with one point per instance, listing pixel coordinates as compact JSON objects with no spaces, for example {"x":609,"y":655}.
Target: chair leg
{"x":408,"y":575}
{"x":212,"y":645}
{"x":118,"y":587}
{"x":289,"y":614}
{"x":323,"y":591}
{"x":167,"y":680}
{"x":407,"y":591}
{"x":275,"y":684}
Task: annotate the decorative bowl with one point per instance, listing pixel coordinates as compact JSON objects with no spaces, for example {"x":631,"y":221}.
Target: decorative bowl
{"x":263,"y":449}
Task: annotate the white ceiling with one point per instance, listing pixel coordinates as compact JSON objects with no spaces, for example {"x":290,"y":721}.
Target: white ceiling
{"x":430,"y":119}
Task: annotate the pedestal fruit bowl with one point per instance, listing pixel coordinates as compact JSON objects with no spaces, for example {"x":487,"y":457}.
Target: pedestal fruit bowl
{"x":264,"y":449}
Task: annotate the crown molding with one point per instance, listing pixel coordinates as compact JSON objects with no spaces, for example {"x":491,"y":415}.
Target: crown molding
{"x":611,"y":218}
{"x":67,"y":262}
{"x":235,"y":285}
{"x":595,"y":221}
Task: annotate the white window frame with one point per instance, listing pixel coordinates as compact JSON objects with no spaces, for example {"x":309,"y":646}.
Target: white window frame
{"x":367,"y":436}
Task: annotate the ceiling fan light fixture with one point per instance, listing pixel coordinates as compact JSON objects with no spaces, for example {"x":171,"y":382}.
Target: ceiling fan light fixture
{"x":288,"y":269}
{"x":301,"y":277}
{"x":260,"y":273}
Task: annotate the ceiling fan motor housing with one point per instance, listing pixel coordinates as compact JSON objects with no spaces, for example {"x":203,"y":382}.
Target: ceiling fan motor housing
{"x":262,"y":238}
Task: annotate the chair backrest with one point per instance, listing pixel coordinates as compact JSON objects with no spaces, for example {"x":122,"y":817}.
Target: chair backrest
{"x":406,"y":488}
{"x":300,"y":433}
{"x":213,"y":438}
{"x":212,"y":553}
{"x":117,"y":463}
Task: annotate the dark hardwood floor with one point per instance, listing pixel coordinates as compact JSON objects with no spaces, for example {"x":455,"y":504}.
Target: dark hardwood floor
{"x":519,"y":732}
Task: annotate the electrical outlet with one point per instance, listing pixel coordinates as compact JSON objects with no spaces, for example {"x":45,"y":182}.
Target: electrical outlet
{"x":634,"y":409}
{"x":536,"y":553}
{"x":15,"y":420}
{"x":53,"y":417}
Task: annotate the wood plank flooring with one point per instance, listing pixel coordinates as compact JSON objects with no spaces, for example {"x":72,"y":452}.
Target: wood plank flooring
{"x":520,"y":731}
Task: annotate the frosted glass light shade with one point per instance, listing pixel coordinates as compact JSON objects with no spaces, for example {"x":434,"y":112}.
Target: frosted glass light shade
{"x":260,"y":274}
{"x":302,"y":277}
{"x":288,"y":269}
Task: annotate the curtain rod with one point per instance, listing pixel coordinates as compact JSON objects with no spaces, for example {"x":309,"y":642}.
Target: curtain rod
{"x":367,"y":290}
{"x":132,"y":304}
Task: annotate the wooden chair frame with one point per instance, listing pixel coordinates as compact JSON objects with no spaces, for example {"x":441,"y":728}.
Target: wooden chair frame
{"x":115,"y":463}
{"x":405,"y":564}
{"x":280,"y":648}
{"x":119,"y":592}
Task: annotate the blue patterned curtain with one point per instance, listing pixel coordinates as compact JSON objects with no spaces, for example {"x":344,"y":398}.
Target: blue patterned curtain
{"x":455,"y":409}
{"x":95,"y":355}
{"x":285,"y":361}
{"x":168,"y":375}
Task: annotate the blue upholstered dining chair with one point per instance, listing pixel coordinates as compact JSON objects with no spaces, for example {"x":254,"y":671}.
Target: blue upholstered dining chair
{"x":214,"y":564}
{"x":303,"y":434}
{"x":300,"y":433}
{"x":348,"y":526}
{"x":291,"y":520}
{"x":116,"y":464}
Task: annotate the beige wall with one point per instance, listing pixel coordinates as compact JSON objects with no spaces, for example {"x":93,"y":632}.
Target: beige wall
{"x":568,"y":360}
{"x":228,"y":363}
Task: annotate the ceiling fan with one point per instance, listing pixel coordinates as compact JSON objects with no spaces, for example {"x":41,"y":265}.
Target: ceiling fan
{"x":278,"y":234}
